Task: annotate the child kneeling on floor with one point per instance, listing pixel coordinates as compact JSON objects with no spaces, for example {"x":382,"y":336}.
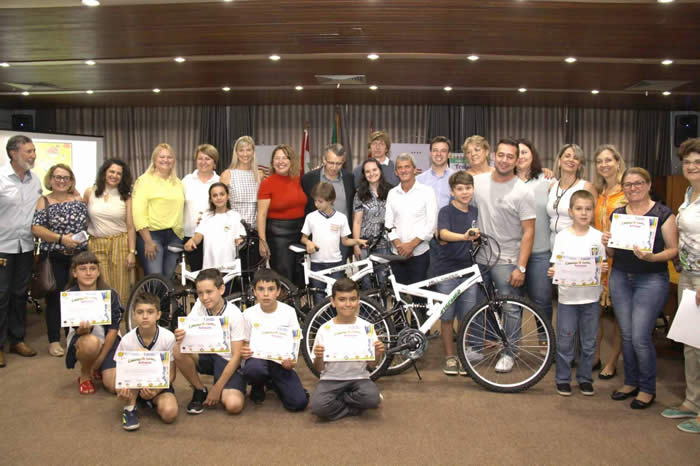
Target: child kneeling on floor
{"x":345,"y":388}
{"x":579,"y":306}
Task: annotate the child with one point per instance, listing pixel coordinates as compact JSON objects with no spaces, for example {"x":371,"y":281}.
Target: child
{"x":260,"y":372}
{"x":222,"y":228}
{"x":148,"y":336}
{"x":578,"y":306}
{"x":229,"y":385}
{"x":93,"y":346}
{"x":456,"y":233}
{"x":328,"y":228}
{"x":345,"y":388}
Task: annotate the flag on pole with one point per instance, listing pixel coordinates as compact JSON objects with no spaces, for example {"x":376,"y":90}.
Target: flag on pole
{"x":304,"y":147}
{"x":335,"y":136}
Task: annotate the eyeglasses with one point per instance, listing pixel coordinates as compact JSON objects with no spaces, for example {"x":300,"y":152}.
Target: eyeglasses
{"x":61,"y":178}
{"x":636,"y":184}
{"x":688,"y":162}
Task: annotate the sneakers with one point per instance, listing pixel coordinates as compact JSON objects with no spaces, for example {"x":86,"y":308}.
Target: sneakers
{"x":460,"y":368}
{"x":505,"y":364}
{"x":586,"y":388}
{"x":196,"y":406}
{"x":564,"y":389}
{"x":473,"y":356}
{"x":691,"y":427}
{"x":257,"y":393}
{"x":677,"y":413}
{"x":130,"y":420}
{"x":451,"y":366}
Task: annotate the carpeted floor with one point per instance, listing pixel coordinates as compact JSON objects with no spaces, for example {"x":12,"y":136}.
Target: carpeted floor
{"x":439,"y":420}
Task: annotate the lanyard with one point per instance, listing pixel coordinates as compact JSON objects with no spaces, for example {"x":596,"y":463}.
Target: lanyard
{"x":153,"y":342}
{"x":221,"y":312}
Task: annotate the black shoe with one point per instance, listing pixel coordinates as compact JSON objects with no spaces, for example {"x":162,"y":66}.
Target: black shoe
{"x":257,"y":393}
{"x":564,"y":389}
{"x":602,"y":376}
{"x":597,"y":365}
{"x":196,"y":406}
{"x":639,"y":404}
{"x":619,"y":396}
{"x":586,"y":388}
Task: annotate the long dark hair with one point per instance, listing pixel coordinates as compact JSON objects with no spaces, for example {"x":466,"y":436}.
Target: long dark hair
{"x":86,"y":257}
{"x":536,"y":165}
{"x":212,"y":207}
{"x":363,"y":191}
{"x":125,"y":184}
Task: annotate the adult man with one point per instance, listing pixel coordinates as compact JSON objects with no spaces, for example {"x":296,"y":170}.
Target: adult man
{"x":333,"y":173}
{"x":379,"y":145}
{"x":411,"y":215}
{"x":19,"y":191}
{"x":507,"y":214}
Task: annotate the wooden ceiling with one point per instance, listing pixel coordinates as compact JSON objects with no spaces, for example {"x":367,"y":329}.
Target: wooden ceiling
{"x":422,"y":45}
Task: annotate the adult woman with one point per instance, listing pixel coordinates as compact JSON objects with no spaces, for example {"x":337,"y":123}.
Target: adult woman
{"x":281,"y":204}
{"x":529,"y":169}
{"x":196,"y":186}
{"x":58,"y":216}
{"x":159,"y":199}
{"x":689,"y":255}
{"x":110,"y":223}
{"x":609,"y":169}
{"x":639,"y":285}
{"x":476,"y":149}
{"x":569,"y":171}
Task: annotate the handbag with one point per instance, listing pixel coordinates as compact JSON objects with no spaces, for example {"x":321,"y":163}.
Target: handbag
{"x":43,"y":281}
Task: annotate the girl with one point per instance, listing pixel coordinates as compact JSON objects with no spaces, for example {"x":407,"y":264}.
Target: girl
{"x":93,"y":346}
{"x":221,"y":226}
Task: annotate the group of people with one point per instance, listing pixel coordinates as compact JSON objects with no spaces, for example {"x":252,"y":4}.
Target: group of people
{"x":433,"y":218}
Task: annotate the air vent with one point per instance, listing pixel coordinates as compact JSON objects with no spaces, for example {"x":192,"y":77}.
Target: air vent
{"x":331,"y":38}
{"x":32,"y":86}
{"x":343,"y":79}
{"x":650,"y":85}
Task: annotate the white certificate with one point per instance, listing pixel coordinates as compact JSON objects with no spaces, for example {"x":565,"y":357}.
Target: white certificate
{"x":92,"y":306}
{"x":686,"y":323}
{"x":205,"y":334}
{"x":627,"y":231}
{"x":349,"y":343}
{"x":577,"y":271}
{"x":275,"y":342}
{"x":143,"y":369}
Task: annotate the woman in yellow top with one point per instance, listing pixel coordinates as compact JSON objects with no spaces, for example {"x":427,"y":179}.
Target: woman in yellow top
{"x":609,"y":169}
{"x":158,"y":203}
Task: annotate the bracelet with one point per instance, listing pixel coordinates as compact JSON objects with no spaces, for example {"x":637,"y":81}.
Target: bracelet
{"x":60,"y":237}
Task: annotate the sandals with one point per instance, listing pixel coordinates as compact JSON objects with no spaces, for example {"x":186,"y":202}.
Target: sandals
{"x":56,"y":350}
{"x":86,"y":387}
{"x":97,"y":375}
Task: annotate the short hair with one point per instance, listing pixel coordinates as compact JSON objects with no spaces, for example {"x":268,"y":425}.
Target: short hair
{"x":581,"y":194}
{"x":578,"y":155}
{"x":323,"y":190}
{"x":510,"y":142}
{"x":536,"y":165}
{"x":344,"y":285}
{"x":380,"y":135}
{"x":476,"y":140}
{"x":599,"y":181}
{"x":405,"y":156}
{"x":295,"y":166}
{"x":146,"y":298}
{"x":208,"y":150}
{"x":636,"y":171}
{"x":154,"y":156}
{"x":266,"y":275}
{"x":337,"y":149}
{"x":253,"y":163}
{"x":125,"y":185}
{"x":444,"y":139}
{"x":688,"y":147}
{"x":460,"y":177}
{"x":49,"y":175}
{"x":14,"y":143}
{"x":82,"y":258}
{"x":210,"y":274}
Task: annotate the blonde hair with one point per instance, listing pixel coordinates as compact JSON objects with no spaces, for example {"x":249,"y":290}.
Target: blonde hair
{"x":381,"y":136}
{"x":208,"y":150}
{"x":637,"y":171}
{"x":578,"y":155}
{"x":49,"y":175}
{"x":152,"y":168}
{"x":254,"y":161}
{"x":479,"y":141}
{"x":599,"y":181}
{"x":293,"y":157}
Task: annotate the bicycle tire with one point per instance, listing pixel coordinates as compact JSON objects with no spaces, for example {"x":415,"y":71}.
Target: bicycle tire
{"x":480,"y":339}
{"x":369,"y":311}
{"x":158,"y":285}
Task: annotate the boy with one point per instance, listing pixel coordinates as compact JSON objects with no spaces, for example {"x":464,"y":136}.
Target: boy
{"x":281,"y":377}
{"x":456,"y":233}
{"x":328,"y":228}
{"x":229,"y":385}
{"x":578,"y":306}
{"x":345,"y":388}
{"x":148,"y":336}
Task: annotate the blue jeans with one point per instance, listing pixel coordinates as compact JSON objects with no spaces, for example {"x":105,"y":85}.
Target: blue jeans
{"x":379,"y":269}
{"x":463,"y":304}
{"x":539,"y":286}
{"x":165,"y":261}
{"x":638,"y":299}
{"x":315,"y":267}
{"x":500,"y":276}
{"x":573,"y":319}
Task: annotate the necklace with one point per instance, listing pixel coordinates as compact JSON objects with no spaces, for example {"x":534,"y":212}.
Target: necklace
{"x":559,"y":196}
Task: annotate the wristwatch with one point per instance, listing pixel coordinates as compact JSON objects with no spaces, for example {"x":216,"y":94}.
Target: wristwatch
{"x":133,"y":251}
{"x":522,"y":268}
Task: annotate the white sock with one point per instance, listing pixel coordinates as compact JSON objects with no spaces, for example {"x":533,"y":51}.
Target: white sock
{"x":129,"y":408}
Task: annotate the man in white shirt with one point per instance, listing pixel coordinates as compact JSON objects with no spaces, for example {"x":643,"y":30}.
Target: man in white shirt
{"x":379,"y":146}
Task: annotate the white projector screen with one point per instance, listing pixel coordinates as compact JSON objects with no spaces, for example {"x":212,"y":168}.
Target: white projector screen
{"x":82,"y":153}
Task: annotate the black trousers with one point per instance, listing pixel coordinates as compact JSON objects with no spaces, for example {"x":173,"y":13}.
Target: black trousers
{"x":15,"y":272}
{"x":280,"y":234}
{"x":60,"y":263}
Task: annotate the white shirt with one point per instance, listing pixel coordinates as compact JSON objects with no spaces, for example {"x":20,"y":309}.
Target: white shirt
{"x":411,"y":214}
{"x":196,"y":199}
{"x":350,"y":370}
{"x":163,"y":341}
{"x":567,"y":243}
{"x":220,"y":232}
{"x":284,"y":315}
{"x":17,"y":203}
{"x":236,"y":324}
{"x":326,"y":232}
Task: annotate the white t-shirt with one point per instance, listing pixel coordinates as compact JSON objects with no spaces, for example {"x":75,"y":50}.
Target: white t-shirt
{"x":567,"y":243}
{"x":164,"y":340}
{"x":196,"y":200}
{"x":220,"y":232}
{"x":284,"y":315}
{"x":236,"y":324}
{"x":350,"y":370}
{"x":326,"y":232}
{"x":559,"y":218}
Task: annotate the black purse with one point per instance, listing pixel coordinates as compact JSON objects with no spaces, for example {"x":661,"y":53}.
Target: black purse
{"x":43,"y":281}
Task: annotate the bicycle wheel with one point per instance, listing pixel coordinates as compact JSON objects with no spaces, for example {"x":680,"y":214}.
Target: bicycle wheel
{"x":404,"y":315}
{"x":157,"y":285}
{"x":506,"y":326}
{"x":369,"y":311}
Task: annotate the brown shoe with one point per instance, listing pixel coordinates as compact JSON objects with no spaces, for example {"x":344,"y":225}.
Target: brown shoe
{"x":2,"y":358}
{"x":22,"y":349}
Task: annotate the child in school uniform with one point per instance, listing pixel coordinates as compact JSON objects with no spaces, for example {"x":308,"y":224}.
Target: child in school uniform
{"x":579,"y":307}
{"x":222,"y":228}
{"x":148,"y":336}
{"x":345,"y":388}
{"x":259,"y":373}
{"x":229,"y":386}
{"x":93,"y":346}
{"x":323,"y":231}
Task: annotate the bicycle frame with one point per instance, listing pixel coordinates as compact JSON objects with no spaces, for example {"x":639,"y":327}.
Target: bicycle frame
{"x":231,"y":269}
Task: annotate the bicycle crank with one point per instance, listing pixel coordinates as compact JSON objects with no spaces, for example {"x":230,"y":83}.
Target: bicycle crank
{"x":411,"y":343}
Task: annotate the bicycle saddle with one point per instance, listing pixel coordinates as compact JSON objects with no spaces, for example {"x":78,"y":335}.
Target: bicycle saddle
{"x":385,"y":258}
{"x":298,"y":248}
{"x":175,"y":248}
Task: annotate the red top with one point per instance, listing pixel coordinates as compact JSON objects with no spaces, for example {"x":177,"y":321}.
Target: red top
{"x":287,"y":199}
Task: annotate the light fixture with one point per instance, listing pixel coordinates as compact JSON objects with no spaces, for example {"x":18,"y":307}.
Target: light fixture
{"x":373,"y":87}
{"x":180,"y":59}
{"x":299,"y":88}
{"x":228,"y":1}
{"x":447,"y":88}
{"x":666,"y":92}
{"x":373,"y":56}
{"x":274,"y":57}
{"x":5,"y":64}
{"x":570,"y":59}
{"x":226,"y":89}
{"x":667,"y":62}
{"x":156,"y":90}
{"x":595,"y":91}
{"x":89,"y":91}
{"x":25,"y":93}
{"x":665,"y":1}
{"x":473,"y":57}
{"x":90,"y":62}
{"x":91,"y":2}
{"x":522,"y":89}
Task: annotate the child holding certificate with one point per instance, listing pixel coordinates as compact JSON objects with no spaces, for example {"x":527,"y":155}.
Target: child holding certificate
{"x":93,"y":346}
{"x":270,"y":349}
{"x":578,"y":257}
{"x":148,"y":336}
{"x":229,"y":386}
{"x":345,"y":388}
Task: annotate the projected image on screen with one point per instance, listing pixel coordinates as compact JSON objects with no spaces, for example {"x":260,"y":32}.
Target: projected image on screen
{"x":49,"y":154}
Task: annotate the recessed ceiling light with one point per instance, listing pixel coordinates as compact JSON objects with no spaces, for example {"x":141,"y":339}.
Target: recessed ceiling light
{"x":373,"y":87}
{"x":447,"y":88}
{"x":180,"y":59}
{"x":226,"y":89}
{"x":667,"y":62}
{"x":274,"y":57}
{"x":570,"y":59}
{"x":666,"y":92}
{"x":228,"y":1}
{"x":473,"y":57}
{"x":90,"y":62}
{"x":25,"y":93}
{"x":89,"y":91}
{"x":5,"y":64}
{"x":299,"y":88}
{"x":156,"y":90}
{"x":522,"y":89}
{"x":373,"y":56}
{"x":91,"y":2}
{"x":665,"y":1}
{"x":595,"y":91}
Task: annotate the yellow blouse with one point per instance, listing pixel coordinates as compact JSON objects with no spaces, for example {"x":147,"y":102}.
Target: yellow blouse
{"x":158,"y":204}
{"x":607,"y":203}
